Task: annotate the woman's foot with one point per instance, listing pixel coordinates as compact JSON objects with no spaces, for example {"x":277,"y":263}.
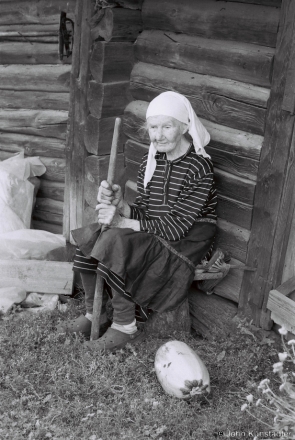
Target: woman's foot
{"x":114,"y":340}
{"x":82,"y":325}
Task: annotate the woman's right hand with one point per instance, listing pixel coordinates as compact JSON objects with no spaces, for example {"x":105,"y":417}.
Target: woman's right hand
{"x":110,"y":195}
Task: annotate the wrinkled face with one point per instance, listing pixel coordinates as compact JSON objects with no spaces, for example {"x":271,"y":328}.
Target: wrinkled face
{"x":165,"y":132}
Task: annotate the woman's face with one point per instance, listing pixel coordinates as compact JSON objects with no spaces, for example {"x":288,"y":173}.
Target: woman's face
{"x":165,"y":132}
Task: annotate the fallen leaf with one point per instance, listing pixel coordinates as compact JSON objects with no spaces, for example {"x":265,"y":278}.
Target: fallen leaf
{"x":221,"y":356}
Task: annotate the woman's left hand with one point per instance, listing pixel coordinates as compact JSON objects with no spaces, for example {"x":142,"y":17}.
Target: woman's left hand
{"x":108,"y":215}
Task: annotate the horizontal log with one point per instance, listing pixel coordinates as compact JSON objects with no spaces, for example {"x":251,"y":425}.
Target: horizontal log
{"x":28,"y":12}
{"x":210,"y":313}
{"x":110,"y":99}
{"x":116,"y":24}
{"x":45,"y":123}
{"x":44,"y":226}
{"x":34,"y":100}
{"x":28,"y":30}
{"x":55,"y":169}
{"x":275,"y":3}
{"x":30,"y":39}
{"x":111,"y":62}
{"x":232,"y":238}
{"x":96,"y":169}
{"x":135,"y":150}
{"x":243,"y":62}
{"x":46,"y":78}
{"x":130,"y":4}
{"x":32,"y":145}
{"x":225,"y":138}
{"x":216,"y":20}
{"x":50,"y":205}
{"x":234,"y":187}
{"x":26,"y":52}
{"x":234,"y":211}
{"x":51,"y":190}
{"x":98,"y":135}
{"x":47,"y":217}
{"x":130,"y":191}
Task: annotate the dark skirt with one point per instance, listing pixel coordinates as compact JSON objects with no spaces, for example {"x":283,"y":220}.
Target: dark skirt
{"x":146,"y":269}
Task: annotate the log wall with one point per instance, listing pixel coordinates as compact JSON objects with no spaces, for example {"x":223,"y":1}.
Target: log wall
{"x":220,"y":56}
{"x":34,"y":97}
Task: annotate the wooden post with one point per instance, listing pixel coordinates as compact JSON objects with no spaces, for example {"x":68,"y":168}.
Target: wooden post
{"x":274,"y":197}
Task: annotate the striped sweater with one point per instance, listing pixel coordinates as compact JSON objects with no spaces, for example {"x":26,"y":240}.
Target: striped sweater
{"x":180,"y":193}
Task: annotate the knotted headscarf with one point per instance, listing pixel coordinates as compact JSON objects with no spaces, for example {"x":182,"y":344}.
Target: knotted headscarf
{"x":178,"y":107}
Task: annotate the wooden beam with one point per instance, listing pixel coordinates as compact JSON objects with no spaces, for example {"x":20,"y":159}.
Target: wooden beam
{"x":243,"y":62}
{"x":32,"y":145}
{"x":106,"y":100}
{"x":25,"y":52}
{"x":55,"y":168}
{"x":220,"y":100}
{"x":232,"y":238}
{"x":98,"y":135}
{"x":282,"y":310}
{"x":274,"y":196}
{"x":44,"y":226}
{"x":275,"y":3}
{"x":216,"y":20}
{"x":116,"y":24}
{"x":37,"y":276}
{"x":34,"y":100}
{"x":51,"y":189}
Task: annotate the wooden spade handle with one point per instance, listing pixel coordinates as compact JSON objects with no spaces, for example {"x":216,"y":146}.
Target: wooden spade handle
{"x":114,"y":151}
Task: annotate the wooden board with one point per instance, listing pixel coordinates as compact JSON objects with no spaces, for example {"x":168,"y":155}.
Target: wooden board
{"x":96,"y":169}
{"x":211,"y":19}
{"x":34,"y":100}
{"x":32,"y":145}
{"x":232,"y":238}
{"x":224,"y":138}
{"x":28,"y":12}
{"x":289,"y":264}
{"x":111,"y":62}
{"x":220,"y":100}
{"x":47,"y":78}
{"x":110,"y":99}
{"x":116,"y":24}
{"x":37,"y":276}
{"x":45,"y":123}
{"x":52,"y":190}
{"x":230,"y":286}
{"x":283,"y":310}
{"x":243,"y":62}
{"x":98,"y":135}
{"x":26,"y":52}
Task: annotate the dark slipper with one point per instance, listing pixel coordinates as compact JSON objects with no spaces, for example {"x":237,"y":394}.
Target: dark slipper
{"x":78,"y":325}
{"x":114,"y":340}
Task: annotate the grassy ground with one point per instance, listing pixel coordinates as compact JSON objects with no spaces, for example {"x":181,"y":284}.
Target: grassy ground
{"x":51,"y":387}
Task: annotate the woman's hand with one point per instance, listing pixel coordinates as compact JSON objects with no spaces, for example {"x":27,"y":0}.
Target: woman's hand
{"x":110,"y":195}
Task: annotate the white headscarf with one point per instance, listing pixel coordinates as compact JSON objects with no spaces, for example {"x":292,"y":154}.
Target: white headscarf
{"x":178,"y":107}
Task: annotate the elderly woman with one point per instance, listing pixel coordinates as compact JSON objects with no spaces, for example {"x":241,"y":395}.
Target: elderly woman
{"x":150,"y":249}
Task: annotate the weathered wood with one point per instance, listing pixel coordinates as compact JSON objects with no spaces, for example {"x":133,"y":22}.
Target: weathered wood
{"x":25,"y":52}
{"x":162,"y":324}
{"x":55,"y":168}
{"x":283,"y":310}
{"x":289,"y":264}
{"x":28,"y":12}
{"x":52,"y":190}
{"x":98,"y":135}
{"x":31,"y":40}
{"x":47,"y":78}
{"x":37,"y":276}
{"x":45,"y":204}
{"x":34,"y":100}
{"x":28,"y":30}
{"x":45,"y":123}
{"x":230,"y":286}
{"x":211,"y":19}
{"x":110,"y":99}
{"x":225,"y":138}
{"x":111,"y":62}
{"x":32,"y":145}
{"x":274,"y":196}
{"x":89,"y":215}
{"x":44,"y":226}
{"x":275,"y":3}
{"x":96,"y":168}
{"x":219,"y":100}
{"x":232,"y":238}
{"x":234,"y":187}
{"x":47,"y":217}
{"x":244,"y":62}
{"x":287,"y":288}
{"x":135,"y":150}
{"x":117,"y":24}
{"x":211,"y":313}
{"x":130,"y":191}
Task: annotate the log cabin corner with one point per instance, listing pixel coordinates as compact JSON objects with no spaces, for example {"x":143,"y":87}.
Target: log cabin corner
{"x":235,"y":62}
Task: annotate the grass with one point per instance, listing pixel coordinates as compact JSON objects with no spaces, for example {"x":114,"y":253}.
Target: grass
{"x":51,"y":387}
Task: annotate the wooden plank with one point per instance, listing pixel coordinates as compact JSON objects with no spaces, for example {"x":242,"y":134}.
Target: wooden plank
{"x":283,"y":308}
{"x":216,"y":20}
{"x":289,"y":264}
{"x":44,"y":226}
{"x":289,"y":93}
{"x":110,"y":99}
{"x":230,"y":286}
{"x":47,"y":78}
{"x":243,"y":62}
{"x":45,"y":123}
{"x":42,"y":12}
{"x":220,"y":100}
{"x":225,"y":138}
{"x":47,"y":217}
{"x":34,"y":100}
{"x":117,"y":24}
{"x":287,"y":287}
{"x":52,"y":190}
{"x":28,"y":30}
{"x":275,"y":3}
{"x":96,"y":168}
{"x":26,"y":52}
{"x":234,"y":187}
{"x":50,"y":205}
{"x":274,"y":196}
{"x":37,"y":276}
{"x":232,"y":238}
{"x":111,"y":62}
{"x":98,"y":135}
{"x":32,"y":145}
